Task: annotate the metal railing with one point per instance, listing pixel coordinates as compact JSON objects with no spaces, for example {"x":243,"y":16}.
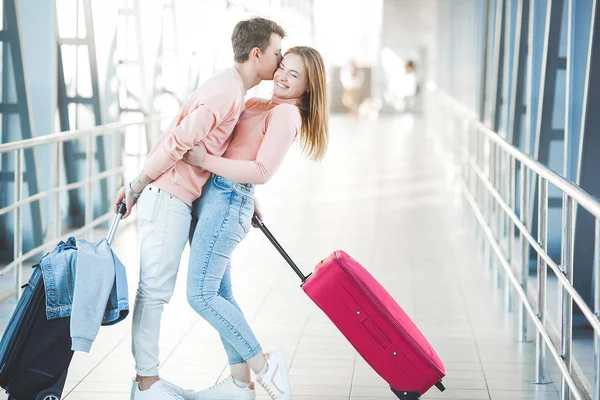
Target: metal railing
{"x":488,"y":176}
{"x":120,"y":131}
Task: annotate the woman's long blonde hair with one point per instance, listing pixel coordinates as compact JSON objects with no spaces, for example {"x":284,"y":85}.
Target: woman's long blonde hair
{"x":314,"y":134}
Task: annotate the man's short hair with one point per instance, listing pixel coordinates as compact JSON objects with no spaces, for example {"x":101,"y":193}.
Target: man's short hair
{"x":251,"y":33}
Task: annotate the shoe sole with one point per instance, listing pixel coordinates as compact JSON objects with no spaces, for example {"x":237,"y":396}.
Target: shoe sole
{"x":233,"y":398}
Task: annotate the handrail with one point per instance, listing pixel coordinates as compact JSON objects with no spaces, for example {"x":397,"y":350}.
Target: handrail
{"x":583,"y":198}
{"x":59,"y":189}
{"x":76,"y":232}
{"x":56,"y":140}
{"x":72,"y":135}
{"x":496,"y":248}
{"x":585,"y":309}
{"x":489,"y":191}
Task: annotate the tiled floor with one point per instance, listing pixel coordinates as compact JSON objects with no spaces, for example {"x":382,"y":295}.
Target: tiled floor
{"x":385,"y":196}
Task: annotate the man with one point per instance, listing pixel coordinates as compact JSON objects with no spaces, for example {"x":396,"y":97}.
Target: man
{"x":164,"y":207}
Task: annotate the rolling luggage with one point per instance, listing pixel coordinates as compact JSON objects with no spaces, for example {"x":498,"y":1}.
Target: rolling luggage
{"x":35,"y":352}
{"x":372,"y":321}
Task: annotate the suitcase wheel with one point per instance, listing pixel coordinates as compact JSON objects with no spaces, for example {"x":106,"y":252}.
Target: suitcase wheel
{"x":48,"y":394}
{"x":402,"y":395}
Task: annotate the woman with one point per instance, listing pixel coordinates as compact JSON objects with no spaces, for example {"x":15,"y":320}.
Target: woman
{"x":260,"y":141}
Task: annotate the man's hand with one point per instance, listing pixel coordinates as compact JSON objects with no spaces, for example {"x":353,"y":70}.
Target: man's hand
{"x":129,"y":202}
{"x":257,"y":212}
{"x":195,"y":156}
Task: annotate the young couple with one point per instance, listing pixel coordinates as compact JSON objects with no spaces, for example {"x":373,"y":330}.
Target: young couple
{"x":198,"y":184}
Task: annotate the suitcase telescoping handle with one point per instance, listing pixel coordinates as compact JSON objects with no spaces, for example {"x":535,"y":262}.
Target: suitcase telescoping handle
{"x":275,"y":243}
{"x":115,"y":223}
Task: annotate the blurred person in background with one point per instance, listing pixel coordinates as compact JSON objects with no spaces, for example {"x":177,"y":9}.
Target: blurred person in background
{"x":352,"y":78}
{"x":410,"y":87}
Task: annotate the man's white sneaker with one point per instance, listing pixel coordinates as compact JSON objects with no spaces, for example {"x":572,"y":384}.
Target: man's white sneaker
{"x":275,"y":379}
{"x":161,"y":390}
{"x":187,"y":394}
{"x":227,"y":390}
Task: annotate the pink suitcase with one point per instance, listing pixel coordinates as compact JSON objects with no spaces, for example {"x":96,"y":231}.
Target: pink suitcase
{"x":372,"y":321}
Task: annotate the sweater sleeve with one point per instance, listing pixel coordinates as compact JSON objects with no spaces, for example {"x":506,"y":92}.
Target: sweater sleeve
{"x":215,"y":102}
{"x":282,"y":128}
{"x":94,"y":280}
{"x":190,"y":130}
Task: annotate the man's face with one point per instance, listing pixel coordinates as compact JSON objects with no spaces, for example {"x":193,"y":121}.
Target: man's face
{"x":270,"y":58}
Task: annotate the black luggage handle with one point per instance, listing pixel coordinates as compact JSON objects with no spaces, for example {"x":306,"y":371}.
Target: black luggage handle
{"x":115,"y":223}
{"x":275,"y":243}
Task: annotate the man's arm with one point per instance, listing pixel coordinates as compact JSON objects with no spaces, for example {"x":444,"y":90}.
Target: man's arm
{"x":192,"y":128}
{"x":140,"y":182}
{"x":125,"y":193}
{"x":281,"y":132}
{"x":188,"y":132}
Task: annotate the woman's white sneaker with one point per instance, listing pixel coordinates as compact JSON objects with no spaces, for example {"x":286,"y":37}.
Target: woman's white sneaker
{"x":226,"y":390}
{"x":275,"y":379}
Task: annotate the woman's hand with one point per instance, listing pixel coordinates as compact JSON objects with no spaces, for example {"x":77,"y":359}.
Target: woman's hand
{"x":257,"y":212}
{"x":195,"y":156}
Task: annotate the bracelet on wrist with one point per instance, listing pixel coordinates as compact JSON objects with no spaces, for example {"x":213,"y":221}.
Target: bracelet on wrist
{"x":131,"y":192}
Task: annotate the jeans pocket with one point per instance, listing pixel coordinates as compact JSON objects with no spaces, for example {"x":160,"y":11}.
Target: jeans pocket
{"x":222,"y":183}
{"x":147,"y":204}
{"x":246,"y":211}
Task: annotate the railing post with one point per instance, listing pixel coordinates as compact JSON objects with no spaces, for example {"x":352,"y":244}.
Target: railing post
{"x":496,"y":216}
{"x":89,"y":204}
{"x":18,"y":221}
{"x":464,"y":172}
{"x":141,"y":139}
{"x":56,"y":183}
{"x":568,"y":224}
{"x":471,"y":179}
{"x":510,"y":183}
{"x":524,"y":205}
{"x":117,"y":159}
{"x":480,"y":190}
{"x":540,"y":346}
{"x":489,"y":211}
{"x":597,"y":310}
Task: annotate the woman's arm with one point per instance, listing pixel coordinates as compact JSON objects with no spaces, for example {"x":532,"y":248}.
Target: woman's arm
{"x":281,"y":131}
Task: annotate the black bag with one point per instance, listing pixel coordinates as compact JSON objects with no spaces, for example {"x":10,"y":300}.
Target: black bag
{"x":35,"y":352}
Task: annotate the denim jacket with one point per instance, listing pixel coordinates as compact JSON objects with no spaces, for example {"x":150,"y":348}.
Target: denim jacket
{"x":87,"y":282}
